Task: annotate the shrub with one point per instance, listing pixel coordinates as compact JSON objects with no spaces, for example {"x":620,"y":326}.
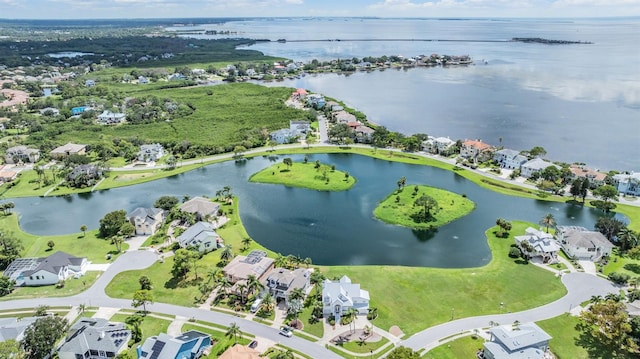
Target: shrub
{"x":514,"y":252}
{"x":619,"y":278}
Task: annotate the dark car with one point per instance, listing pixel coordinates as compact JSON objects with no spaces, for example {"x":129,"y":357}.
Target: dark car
{"x":253,"y":344}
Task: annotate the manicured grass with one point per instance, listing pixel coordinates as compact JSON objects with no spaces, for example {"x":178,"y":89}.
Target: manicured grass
{"x":316,"y":328}
{"x":305,"y":175}
{"x":150,"y":326}
{"x":26,"y":185}
{"x":465,"y":347}
{"x":72,"y":286}
{"x":222,"y":342}
{"x":89,"y":246}
{"x":562,"y":330}
{"x":355,"y":346}
{"x":400,"y":208}
{"x":622,"y":264}
{"x":470,"y":291}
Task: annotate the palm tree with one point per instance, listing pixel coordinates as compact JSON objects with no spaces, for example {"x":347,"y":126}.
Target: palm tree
{"x":307,"y":261}
{"x":280,"y":261}
{"x":268,"y":302}
{"x":233,"y":331}
{"x":297,"y":294}
{"x":227,"y":253}
{"x":350,"y":315}
{"x":224,"y":284}
{"x":548,"y":221}
{"x":284,"y":354}
{"x":595,"y":298}
{"x":213,"y":275}
{"x":627,"y":238}
{"x":253,"y":284}
{"x":82,"y":308}
{"x":246,"y":242}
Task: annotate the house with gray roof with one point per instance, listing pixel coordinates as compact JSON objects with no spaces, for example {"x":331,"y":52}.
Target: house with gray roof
{"x":281,"y":282}
{"x":341,"y":295}
{"x":146,"y":220}
{"x":21,"y":153}
{"x":581,"y":243}
{"x":509,"y":159}
{"x":46,"y":270}
{"x":151,"y":152}
{"x":526,"y":341}
{"x":284,"y":135}
{"x":95,"y":338}
{"x":534,"y":166}
{"x":201,"y":236}
{"x":201,"y":207}
{"x":188,"y":345}
{"x":13,"y":328}
{"x":438,"y":145}
{"x":627,"y":183}
{"x":543,"y":244}
{"x":111,"y":118}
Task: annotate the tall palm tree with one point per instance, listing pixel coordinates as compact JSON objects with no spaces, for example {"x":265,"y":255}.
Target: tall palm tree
{"x":246,"y":242}
{"x":307,"y":261}
{"x":82,"y":308}
{"x":548,"y":221}
{"x":242,"y":290}
{"x":227,"y":253}
{"x":268,"y":302}
{"x":595,"y":298}
{"x":213,"y":276}
{"x":627,"y":238}
{"x":253,"y":284}
{"x":350,"y":315}
{"x":233,"y":331}
{"x":224,"y":284}
{"x":280,"y":261}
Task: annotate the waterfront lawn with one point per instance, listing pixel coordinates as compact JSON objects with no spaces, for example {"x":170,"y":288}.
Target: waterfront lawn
{"x":90,"y":246}
{"x":622,"y":264}
{"x":465,"y":347}
{"x":305,"y":175}
{"x":26,"y":185}
{"x":72,"y":286}
{"x":399,"y":207}
{"x":418,"y":298}
{"x":150,"y":326}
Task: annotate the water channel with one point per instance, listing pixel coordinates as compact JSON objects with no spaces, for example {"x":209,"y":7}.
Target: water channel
{"x":332,"y":228}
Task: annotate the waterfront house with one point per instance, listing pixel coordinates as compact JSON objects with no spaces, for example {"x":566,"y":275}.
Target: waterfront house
{"x":188,"y":345}
{"x":95,"y":338}
{"x":627,"y":183}
{"x":535,"y":165}
{"x":343,"y":116}
{"x":280,"y":282}
{"x":151,"y":152}
{"x":476,"y":150}
{"x":202,"y":208}
{"x":49,"y":270}
{"x":580,"y":243}
{"x":146,"y":220}
{"x":111,"y":118}
{"x":282,"y":136}
{"x":543,"y":244}
{"x":255,"y":263}
{"x":438,"y":145}
{"x":517,"y":342}
{"x":596,"y":178}
{"x":315,"y":101}
{"x":13,"y":328}
{"x":363,"y":133}
{"x":68,"y":150}
{"x":299,"y":94}
{"x":300,"y":126}
{"x":509,"y":159}
{"x":22,"y":154}
{"x":201,"y":236}
{"x":341,"y":295}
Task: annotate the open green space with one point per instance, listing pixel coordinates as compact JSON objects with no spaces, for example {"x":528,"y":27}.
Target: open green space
{"x":310,"y":175}
{"x":519,"y":286}
{"x":465,"y":347}
{"x":315,"y":329}
{"x":150,"y":326}
{"x":72,"y":286}
{"x":407,"y":207}
{"x":563,"y":331}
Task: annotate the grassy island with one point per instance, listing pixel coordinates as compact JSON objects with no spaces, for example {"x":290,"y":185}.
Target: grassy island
{"x":312,"y":175}
{"x":422,"y":207}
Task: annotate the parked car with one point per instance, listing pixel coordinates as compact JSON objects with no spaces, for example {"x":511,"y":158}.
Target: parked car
{"x":253,"y":344}
{"x":286,"y":331}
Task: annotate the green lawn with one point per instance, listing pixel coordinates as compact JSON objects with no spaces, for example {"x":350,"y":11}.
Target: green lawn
{"x":305,"y":175}
{"x":400,"y":208}
{"x":316,"y":328}
{"x":470,"y":292}
{"x":355,"y":346}
{"x":562,"y":330}
{"x":72,"y":286}
{"x":150,"y":326}
{"x":465,"y":347}
{"x":222,"y":342}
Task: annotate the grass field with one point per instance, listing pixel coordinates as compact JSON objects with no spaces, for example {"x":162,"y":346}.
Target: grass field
{"x":305,"y":175}
{"x":222,"y":342}
{"x":399,"y":207}
{"x":72,"y":286}
{"x":465,"y":347}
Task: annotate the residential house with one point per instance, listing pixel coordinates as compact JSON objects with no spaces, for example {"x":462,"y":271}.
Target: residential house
{"x":201,"y":207}
{"x":146,"y":220}
{"x":68,"y":150}
{"x":628,"y":184}
{"x":281,"y":282}
{"x":188,"y":345}
{"x":517,"y":342}
{"x":49,"y":270}
{"x":476,"y":150}
{"x":13,"y":328}
{"x":201,"y":236}
{"x":341,"y":295}
{"x":240,"y":352}
{"x":439,"y":145}
{"x":596,"y":178}
{"x":78,"y":110}
{"x":111,"y":118}
{"x":299,"y":94}
{"x":95,"y":338}
{"x":90,"y":83}
{"x":151,"y":152}
{"x":177,"y":77}
{"x":343,"y":116}
{"x":543,"y":244}
{"x":284,"y":135}
{"x":580,"y":243}
{"x":49,"y":111}
{"x":535,"y":165}
{"x":7,"y":175}
{"x":85,"y":175}
{"x":363,"y":133}
{"x":255,"y":263}
{"x":300,"y":126}
{"x":143,"y":80}
{"x":316,"y":101}
{"x":22,"y":154}
{"x":509,"y":159}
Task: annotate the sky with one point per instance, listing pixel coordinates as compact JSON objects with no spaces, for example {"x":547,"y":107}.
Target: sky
{"x":94,"y":9}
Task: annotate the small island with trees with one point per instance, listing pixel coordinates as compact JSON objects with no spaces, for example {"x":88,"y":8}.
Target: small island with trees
{"x":422,"y":207}
{"x":312,"y":175}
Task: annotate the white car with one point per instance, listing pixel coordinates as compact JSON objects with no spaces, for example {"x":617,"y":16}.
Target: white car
{"x":286,"y":331}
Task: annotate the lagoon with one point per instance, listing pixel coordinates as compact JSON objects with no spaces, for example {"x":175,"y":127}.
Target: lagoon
{"x":331,"y":228}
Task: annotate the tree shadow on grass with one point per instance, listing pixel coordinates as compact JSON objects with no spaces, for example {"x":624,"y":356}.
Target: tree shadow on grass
{"x":597,"y":349}
{"x":521,"y":261}
{"x":635,"y":268}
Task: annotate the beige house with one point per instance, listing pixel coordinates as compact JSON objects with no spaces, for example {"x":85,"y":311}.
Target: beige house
{"x":68,"y":150}
{"x":146,"y":220}
{"x":200,"y":207}
{"x":580,"y":243}
{"x":255,"y":263}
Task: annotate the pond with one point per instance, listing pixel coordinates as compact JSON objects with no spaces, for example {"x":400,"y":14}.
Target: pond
{"x":332,"y":228}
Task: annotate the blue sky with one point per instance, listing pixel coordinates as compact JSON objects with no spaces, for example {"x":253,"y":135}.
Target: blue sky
{"x":65,"y":9}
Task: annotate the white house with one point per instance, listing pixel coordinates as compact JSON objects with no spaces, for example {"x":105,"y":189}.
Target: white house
{"x":111,"y":118}
{"x":524,"y":341}
{"x":146,"y":220}
{"x":509,"y":159}
{"x":438,"y":145}
{"x":580,"y":243}
{"x":151,"y":152}
{"x":95,"y":338}
{"x":284,"y":135}
{"x":628,"y":183}
{"x":49,"y":270}
{"x":202,"y":236}
{"x":21,"y":154}
{"x":534,"y":166}
{"x":543,"y":244}
{"x":339,"y":296}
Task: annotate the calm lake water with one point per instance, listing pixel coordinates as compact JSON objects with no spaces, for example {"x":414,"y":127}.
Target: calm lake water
{"x":580,"y":102}
{"x":332,"y":228}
